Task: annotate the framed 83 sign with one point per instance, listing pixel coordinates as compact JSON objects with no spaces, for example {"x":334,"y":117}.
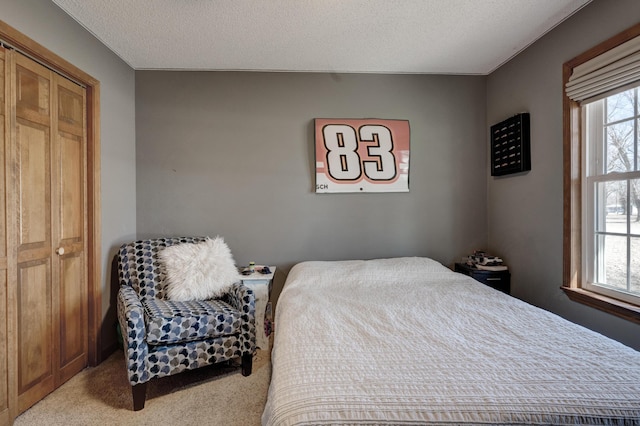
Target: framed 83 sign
{"x":362,"y":155}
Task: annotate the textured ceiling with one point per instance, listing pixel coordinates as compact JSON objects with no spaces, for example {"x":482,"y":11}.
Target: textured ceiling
{"x":377,"y":36}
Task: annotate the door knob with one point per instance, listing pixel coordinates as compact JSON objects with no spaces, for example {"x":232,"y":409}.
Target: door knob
{"x":60,"y":251}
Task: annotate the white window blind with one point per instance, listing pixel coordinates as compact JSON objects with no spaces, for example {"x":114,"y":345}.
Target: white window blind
{"x":614,"y":69}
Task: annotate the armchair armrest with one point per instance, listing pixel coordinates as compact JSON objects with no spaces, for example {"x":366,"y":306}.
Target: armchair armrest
{"x":131,"y":319}
{"x":242,"y":298}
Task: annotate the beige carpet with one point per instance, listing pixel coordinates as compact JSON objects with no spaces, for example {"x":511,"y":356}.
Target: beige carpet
{"x":214,"y":395}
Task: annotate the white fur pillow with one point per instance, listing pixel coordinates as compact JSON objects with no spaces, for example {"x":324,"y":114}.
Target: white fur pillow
{"x":198,"y":271}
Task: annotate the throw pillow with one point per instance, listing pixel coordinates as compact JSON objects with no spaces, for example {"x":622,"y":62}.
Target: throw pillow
{"x":198,"y":271}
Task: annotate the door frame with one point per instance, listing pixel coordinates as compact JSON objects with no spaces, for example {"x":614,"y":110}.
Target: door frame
{"x":21,"y":42}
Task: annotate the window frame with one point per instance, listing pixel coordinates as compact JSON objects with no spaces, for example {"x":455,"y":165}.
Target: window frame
{"x":573,"y":280}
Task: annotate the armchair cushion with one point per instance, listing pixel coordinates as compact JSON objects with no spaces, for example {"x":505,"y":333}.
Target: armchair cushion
{"x":198,"y":271}
{"x":169,"y":321}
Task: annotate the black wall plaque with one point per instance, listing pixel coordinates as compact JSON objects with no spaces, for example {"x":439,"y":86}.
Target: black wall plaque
{"x":510,"y":146}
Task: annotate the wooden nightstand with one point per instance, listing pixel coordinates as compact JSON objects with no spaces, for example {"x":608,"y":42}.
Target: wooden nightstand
{"x":500,"y":280}
{"x":261,"y":286}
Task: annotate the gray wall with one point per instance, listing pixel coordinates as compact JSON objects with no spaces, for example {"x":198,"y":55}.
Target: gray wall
{"x":525,"y":211}
{"x":231,"y":153}
{"x":46,"y":24}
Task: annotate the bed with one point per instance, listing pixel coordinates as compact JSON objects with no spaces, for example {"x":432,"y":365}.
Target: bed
{"x":408,"y":341}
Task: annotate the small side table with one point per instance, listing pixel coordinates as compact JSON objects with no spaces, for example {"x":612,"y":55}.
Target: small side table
{"x":500,"y":280}
{"x":261,"y":286}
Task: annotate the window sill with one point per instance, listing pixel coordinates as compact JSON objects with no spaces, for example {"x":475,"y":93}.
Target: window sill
{"x":607,"y":304}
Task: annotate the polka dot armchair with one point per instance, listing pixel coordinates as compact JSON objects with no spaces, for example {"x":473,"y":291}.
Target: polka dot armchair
{"x":163,"y":337}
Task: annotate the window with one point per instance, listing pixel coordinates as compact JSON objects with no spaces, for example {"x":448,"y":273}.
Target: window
{"x":611,"y":196}
{"x":602,"y":176}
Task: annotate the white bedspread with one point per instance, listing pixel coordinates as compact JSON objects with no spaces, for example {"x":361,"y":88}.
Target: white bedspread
{"x":407,"y":341}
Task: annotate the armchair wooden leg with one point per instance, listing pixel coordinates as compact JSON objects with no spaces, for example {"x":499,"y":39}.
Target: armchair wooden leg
{"x":247,"y":362}
{"x":139,"y":395}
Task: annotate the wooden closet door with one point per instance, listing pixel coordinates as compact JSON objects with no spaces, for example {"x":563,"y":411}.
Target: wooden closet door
{"x":4,"y":342}
{"x":70,"y":226}
{"x":49,"y":184}
{"x":32,"y":187}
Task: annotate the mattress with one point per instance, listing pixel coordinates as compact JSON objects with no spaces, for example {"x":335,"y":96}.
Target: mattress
{"x":408,"y":341}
